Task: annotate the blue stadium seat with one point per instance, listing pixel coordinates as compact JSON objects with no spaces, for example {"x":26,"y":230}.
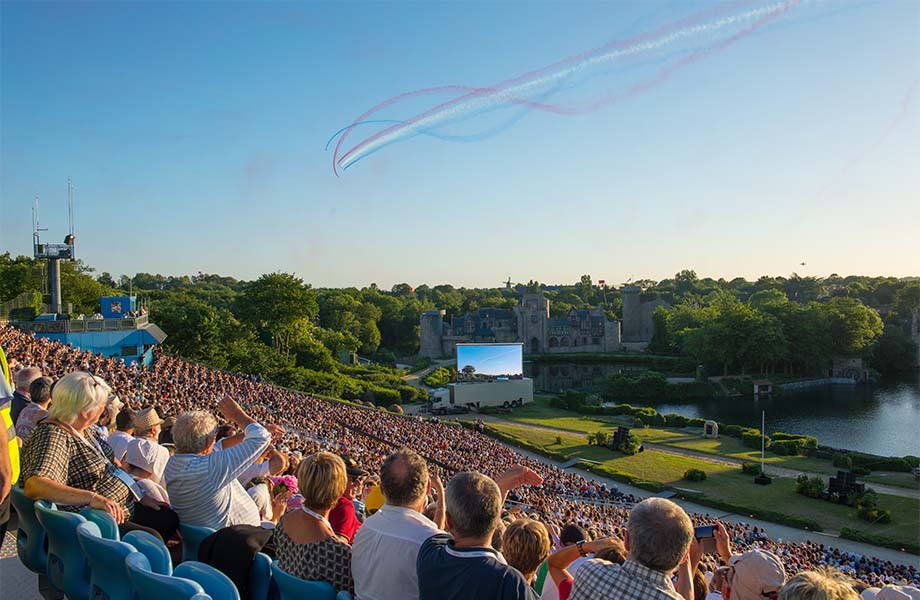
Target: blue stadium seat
{"x":67,"y":569}
{"x":30,"y":538}
{"x":153,"y":586}
{"x":191,"y":539}
{"x":104,"y":521}
{"x":106,"y":559}
{"x":294,"y":588}
{"x":260,"y":577}
{"x":215,"y":583}
{"x":155,"y":550}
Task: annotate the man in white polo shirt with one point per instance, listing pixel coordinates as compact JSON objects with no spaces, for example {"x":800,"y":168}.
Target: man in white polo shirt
{"x":386,"y":546}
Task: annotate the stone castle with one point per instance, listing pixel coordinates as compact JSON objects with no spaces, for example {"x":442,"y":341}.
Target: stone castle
{"x":529,"y":323}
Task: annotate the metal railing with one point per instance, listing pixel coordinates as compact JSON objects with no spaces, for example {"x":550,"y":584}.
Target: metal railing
{"x":81,"y":325}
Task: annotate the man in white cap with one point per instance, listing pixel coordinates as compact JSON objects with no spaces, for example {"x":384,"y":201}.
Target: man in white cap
{"x":147,"y":430}
{"x":892,"y":592}
{"x":754,"y":575}
{"x":140,"y":462}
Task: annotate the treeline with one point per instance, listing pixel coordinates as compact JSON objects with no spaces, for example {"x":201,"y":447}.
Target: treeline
{"x":770,"y":333}
{"x":279,"y":322}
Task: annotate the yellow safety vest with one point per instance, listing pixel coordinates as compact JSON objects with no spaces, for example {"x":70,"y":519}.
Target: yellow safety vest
{"x":5,"y":409}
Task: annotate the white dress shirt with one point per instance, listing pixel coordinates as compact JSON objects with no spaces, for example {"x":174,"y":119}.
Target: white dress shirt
{"x":119,"y":441}
{"x":384,"y":553}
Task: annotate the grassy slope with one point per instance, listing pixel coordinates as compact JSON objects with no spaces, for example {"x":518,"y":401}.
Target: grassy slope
{"x":728,"y":484}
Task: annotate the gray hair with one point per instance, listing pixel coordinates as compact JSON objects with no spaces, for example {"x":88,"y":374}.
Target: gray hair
{"x":404,"y":478}
{"x":660,"y":533}
{"x":194,"y":431}
{"x":25,"y":376}
{"x":474,"y":504}
{"x":75,"y":393}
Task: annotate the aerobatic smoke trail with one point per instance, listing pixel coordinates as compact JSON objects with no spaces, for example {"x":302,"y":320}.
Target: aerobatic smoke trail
{"x":518,"y":91}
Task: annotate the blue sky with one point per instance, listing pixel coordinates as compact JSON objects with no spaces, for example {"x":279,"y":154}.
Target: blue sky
{"x":194,"y":133}
{"x":492,"y":359}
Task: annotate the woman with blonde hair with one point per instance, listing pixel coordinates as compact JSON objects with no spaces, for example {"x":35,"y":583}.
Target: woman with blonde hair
{"x":306,"y":546}
{"x":821,"y":584}
{"x":64,"y":460}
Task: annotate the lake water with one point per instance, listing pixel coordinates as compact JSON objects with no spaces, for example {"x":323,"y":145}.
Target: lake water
{"x":879,"y":419}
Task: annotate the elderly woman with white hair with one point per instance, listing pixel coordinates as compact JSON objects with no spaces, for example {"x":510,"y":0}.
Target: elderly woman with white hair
{"x":64,"y":461}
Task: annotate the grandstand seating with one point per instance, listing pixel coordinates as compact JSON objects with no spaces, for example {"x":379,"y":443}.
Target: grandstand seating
{"x":192,"y":535}
{"x":293,"y":588}
{"x":153,"y":586}
{"x":156,"y":552}
{"x":108,"y":528}
{"x":106,"y":561}
{"x":66,"y":562}
{"x":31,"y":537}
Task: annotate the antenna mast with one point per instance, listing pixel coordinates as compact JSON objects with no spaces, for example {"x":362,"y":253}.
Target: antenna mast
{"x":70,"y":202}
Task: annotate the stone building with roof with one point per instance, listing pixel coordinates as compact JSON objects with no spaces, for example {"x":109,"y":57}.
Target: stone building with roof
{"x":529,"y":323}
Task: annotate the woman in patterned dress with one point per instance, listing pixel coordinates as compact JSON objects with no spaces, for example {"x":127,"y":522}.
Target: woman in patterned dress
{"x":306,"y":546}
{"x":65,"y":462}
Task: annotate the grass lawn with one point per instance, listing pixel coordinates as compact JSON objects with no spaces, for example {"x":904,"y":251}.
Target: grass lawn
{"x":540,"y":413}
{"x":727,"y":484}
{"x":905,"y":480}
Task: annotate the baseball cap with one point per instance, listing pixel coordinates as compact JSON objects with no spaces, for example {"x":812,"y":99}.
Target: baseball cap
{"x":352,"y":468}
{"x":757,"y":574}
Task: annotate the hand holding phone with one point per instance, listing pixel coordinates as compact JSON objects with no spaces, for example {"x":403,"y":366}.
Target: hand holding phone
{"x":705,"y":535}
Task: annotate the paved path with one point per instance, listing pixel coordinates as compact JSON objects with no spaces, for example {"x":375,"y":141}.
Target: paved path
{"x":415,"y":379}
{"x":722,"y":460}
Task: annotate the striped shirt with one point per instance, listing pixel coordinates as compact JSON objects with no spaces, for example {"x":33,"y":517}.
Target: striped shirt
{"x":203,"y":489}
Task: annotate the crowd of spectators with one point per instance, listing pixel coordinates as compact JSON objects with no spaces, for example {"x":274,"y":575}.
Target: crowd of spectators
{"x":181,"y":442}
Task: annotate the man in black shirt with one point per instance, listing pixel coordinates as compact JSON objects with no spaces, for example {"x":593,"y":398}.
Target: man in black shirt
{"x":463,"y":565}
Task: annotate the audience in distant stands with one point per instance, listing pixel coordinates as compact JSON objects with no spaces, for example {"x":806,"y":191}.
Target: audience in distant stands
{"x":398,"y":551}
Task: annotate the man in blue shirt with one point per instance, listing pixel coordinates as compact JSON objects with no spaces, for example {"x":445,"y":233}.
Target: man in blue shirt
{"x":463,"y":565}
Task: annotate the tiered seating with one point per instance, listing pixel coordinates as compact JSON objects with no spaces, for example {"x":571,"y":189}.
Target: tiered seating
{"x":86,"y":559}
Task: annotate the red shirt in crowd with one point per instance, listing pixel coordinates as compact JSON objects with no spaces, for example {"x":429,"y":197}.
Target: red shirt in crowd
{"x":343,"y":519}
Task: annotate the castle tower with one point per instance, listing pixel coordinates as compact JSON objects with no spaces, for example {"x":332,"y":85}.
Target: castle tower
{"x":532,"y":315}
{"x":431,"y":334}
{"x":632,"y":314}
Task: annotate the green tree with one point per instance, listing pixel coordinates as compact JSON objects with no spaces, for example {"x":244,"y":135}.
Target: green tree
{"x":279,"y":304}
{"x":853,"y":326}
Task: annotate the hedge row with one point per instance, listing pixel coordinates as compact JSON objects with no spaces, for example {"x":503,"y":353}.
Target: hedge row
{"x":766,"y":515}
{"x":848,"y":533}
{"x":652,"y":384}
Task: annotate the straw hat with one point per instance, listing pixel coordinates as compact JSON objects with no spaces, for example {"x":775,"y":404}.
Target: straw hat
{"x":146,"y":419}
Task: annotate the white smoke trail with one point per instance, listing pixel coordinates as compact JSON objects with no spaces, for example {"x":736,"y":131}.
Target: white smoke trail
{"x":525,"y":88}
